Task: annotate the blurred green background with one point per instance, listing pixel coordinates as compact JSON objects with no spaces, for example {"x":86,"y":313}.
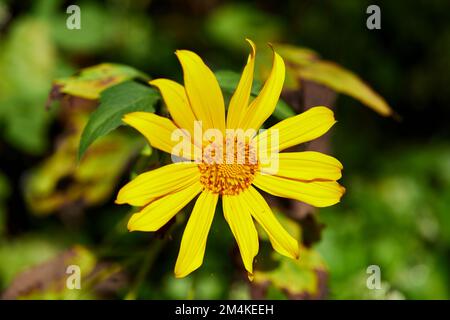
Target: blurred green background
{"x":395,"y":214}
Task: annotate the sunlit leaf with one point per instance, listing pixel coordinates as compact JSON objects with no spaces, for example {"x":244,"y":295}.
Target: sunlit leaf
{"x":298,"y":55}
{"x":93,"y":80}
{"x":344,"y":81}
{"x":305,"y":64}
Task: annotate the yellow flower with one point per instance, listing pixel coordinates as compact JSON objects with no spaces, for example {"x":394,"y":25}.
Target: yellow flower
{"x":304,"y":176}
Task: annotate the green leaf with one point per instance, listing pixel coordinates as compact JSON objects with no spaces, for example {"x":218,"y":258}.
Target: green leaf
{"x":115,"y":102}
{"x":228,"y":81}
{"x":93,"y":80}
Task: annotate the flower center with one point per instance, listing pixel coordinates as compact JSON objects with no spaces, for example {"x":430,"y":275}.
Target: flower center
{"x":231,"y":173}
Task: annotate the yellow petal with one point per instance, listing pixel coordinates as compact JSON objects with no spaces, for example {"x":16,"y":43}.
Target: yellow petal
{"x":159,"y":212}
{"x":177,"y":103}
{"x":159,"y":182}
{"x":316,"y":193}
{"x":307,"y":165}
{"x":240,"y":98}
{"x":237,"y":214}
{"x":280,"y":239}
{"x":301,"y":128}
{"x":264,"y":104}
{"x":193,"y":243}
{"x":203,"y":91}
{"x":161,"y":133}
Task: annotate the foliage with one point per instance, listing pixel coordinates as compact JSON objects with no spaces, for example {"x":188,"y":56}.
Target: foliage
{"x":305,"y":64}
{"x":60,"y":169}
{"x":61,"y":181}
{"x":27,"y":66}
{"x":93,"y":80}
{"x":115,"y":102}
